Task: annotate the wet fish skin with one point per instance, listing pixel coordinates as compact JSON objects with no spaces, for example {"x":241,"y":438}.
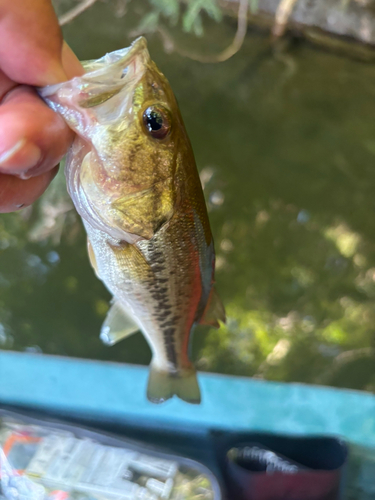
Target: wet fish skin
{"x":144,"y":211}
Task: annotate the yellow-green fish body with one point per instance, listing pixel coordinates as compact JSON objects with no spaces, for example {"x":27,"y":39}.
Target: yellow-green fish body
{"x":132,"y":176}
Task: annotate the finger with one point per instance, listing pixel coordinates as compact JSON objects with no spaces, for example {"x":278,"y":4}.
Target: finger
{"x":31,"y":42}
{"x":16,"y":193}
{"x":6,"y":84}
{"x":34,"y":138}
{"x":70,"y":62}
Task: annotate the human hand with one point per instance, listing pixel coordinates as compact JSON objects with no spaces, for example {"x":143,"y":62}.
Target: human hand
{"x":33,"y":138}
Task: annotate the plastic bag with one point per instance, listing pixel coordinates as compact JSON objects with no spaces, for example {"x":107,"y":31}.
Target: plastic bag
{"x":44,"y":461}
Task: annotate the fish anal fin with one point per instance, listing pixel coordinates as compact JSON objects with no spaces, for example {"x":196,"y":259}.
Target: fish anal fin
{"x":214,"y":311}
{"x":163,"y":385}
{"x":117,"y":325}
{"x":92,"y":257}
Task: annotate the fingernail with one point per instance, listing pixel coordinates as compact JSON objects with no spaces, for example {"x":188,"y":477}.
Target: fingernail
{"x":53,"y":74}
{"x":20,"y":158}
{"x":70,"y":62}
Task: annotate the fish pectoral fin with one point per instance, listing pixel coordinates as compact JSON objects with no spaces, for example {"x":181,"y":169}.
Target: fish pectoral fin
{"x":92,"y":257}
{"x":163,"y":385}
{"x":145,"y":212}
{"x":214,"y":311}
{"x":117,"y":325}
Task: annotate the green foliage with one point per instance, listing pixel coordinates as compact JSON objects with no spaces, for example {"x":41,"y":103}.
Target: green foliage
{"x":149,"y":22}
{"x":254,"y":4}
{"x":167,"y":8}
{"x":192,"y":20}
{"x":189,"y":13}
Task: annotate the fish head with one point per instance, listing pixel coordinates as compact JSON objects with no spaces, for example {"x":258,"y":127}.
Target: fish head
{"x":121,"y":169}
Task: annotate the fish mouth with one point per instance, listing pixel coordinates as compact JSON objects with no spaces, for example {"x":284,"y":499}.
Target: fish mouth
{"x":107,"y":76}
{"x":113,"y":73}
{"x":118,"y":65}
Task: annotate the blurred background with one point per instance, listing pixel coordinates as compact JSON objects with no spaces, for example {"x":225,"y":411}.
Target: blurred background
{"x":284,"y":137}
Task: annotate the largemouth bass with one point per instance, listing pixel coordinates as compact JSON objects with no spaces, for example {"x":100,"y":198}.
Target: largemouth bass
{"x":132,"y":177}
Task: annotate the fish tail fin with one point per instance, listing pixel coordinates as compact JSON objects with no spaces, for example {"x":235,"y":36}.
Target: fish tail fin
{"x":163,"y":385}
{"x":186,"y":387}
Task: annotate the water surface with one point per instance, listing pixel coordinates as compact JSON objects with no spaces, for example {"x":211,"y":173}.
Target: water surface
{"x":285,"y":145}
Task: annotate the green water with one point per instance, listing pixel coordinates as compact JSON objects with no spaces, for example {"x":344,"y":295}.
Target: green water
{"x":286,"y":149}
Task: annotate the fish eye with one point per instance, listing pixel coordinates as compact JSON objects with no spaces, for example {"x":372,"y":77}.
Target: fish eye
{"x":157,"y":121}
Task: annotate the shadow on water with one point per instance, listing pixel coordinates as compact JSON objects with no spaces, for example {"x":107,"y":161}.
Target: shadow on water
{"x":286,"y":149}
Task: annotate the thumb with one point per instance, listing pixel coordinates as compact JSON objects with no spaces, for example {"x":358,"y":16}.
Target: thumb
{"x":31,"y":42}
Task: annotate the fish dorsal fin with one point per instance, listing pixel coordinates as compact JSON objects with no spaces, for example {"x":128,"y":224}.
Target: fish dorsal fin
{"x":117,"y":325}
{"x":214,"y":311}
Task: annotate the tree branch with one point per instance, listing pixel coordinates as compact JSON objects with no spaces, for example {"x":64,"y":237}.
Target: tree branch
{"x":75,"y":11}
{"x":227,"y":53}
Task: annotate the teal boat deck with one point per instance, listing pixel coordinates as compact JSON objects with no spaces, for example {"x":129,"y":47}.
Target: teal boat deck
{"x":104,"y":390}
